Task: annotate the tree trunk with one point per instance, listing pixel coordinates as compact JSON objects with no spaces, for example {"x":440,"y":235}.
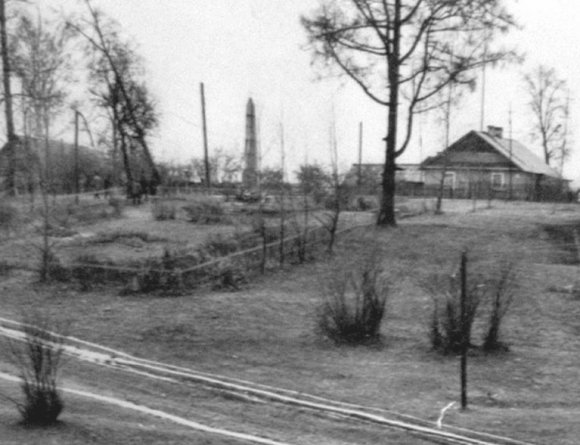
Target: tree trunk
{"x":12,"y":138}
{"x":387,"y":212}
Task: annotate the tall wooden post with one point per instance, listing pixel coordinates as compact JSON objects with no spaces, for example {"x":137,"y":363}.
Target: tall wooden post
{"x":205,"y":150}
{"x":77,"y":179}
{"x":511,"y":193}
{"x":464,"y":330}
{"x":360,"y":143}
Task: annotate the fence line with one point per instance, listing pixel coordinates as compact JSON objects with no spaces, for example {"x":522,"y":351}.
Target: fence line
{"x":25,"y":199}
{"x":258,"y":257}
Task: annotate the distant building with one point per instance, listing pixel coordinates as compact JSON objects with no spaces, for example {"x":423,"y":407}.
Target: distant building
{"x":485,"y":164}
{"x":56,"y":161}
{"x":408,"y":177}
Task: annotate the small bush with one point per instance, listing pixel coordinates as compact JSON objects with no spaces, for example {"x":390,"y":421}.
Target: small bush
{"x":266,"y":233}
{"x":228,"y":275}
{"x":163,"y":211}
{"x":169,"y":282}
{"x":447,"y":332}
{"x":162,"y":274}
{"x":355,"y":297}
{"x":51,"y":268}
{"x":501,"y":295}
{"x":88,"y":271}
{"x":38,"y":360}
{"x":221,"y":245}
{"x":366,"y":203}
{"x":207,"y":211}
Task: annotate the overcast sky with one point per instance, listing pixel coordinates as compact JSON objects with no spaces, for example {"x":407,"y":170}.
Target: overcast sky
{"x":243,"y":48}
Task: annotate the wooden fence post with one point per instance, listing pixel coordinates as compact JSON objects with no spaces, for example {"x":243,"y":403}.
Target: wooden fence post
{"x":464,"y":330}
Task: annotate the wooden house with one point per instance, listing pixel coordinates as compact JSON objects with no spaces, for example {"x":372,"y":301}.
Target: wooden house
{"x":485,"y":164}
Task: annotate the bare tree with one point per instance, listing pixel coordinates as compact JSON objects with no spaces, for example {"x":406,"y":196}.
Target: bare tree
{"x":549,"y":103}
{"x":399,"y":52}
{"x":337,"y":196}
{"x":11,"y":134}
{"x":41,"y":60}
{"x":446,"y":117}
{"x":223,"y":166}
{"x":127,"y":97}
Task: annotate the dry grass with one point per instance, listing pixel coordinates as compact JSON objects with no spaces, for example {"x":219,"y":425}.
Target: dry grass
{"x":265,"y":333}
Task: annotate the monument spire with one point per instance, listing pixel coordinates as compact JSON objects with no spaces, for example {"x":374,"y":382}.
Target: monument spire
{"x":250,"y":173}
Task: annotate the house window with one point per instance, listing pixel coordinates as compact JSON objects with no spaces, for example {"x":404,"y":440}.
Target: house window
{"x":497,"y":180}
{"x":449,"y":180}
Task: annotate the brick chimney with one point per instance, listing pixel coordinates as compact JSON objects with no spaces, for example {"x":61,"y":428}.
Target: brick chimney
{"x":496,"y":132}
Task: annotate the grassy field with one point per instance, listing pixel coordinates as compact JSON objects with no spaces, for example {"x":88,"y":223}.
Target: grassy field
{"x":266,"y":333}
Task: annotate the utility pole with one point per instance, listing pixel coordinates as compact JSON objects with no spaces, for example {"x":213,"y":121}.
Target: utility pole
{"x":464,"y":330}
{"x":511,"y":155}
{"x":205,"y":150}
{"x":77,"y":182}
{"x":114,"y":179}
{"x":360,"y":147}
{"x":282,"y":194}
{"x":483,"y":72}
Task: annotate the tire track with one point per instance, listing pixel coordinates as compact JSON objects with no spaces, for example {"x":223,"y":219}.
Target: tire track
{"x":160,"y":414}
{"x":104,"y":356}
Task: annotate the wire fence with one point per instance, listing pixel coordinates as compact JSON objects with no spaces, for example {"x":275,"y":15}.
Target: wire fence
{"x":71,"y":198}
{"x":228,"y":271}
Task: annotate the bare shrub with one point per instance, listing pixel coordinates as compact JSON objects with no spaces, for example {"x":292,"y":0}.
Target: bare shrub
{"x":364,"y":203}
{"x":219,"y":245}
{"x":267,"y":233}
{"x":207,"y":211}
{"x":38,"y":359}
{"x":163,"y":211}
{"x":447,"y":332}
{"x":355,"y":295}
{"x":159,"y":275}
{"x":50,"y":267}
{"x":500,"y":296}
{"x":154,"y":280}
{"x":229,"y":275}
{"x":88,"y":270}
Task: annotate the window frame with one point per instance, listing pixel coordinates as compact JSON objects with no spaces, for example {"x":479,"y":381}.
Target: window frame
{"x":502,"y":182}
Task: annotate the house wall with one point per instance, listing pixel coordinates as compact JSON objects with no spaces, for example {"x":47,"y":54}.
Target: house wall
{"x":467,"y":183}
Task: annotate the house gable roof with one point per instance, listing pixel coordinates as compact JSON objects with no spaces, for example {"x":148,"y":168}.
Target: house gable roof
{"x":519,"y":154}
{"x":514,"y":153}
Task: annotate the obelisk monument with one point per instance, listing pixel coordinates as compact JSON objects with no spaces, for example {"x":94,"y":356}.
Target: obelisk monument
{"x":250,"y":173}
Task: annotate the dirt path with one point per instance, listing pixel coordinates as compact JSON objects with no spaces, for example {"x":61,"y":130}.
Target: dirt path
{"x":104,"y":356}
{"x":160,"y":414}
